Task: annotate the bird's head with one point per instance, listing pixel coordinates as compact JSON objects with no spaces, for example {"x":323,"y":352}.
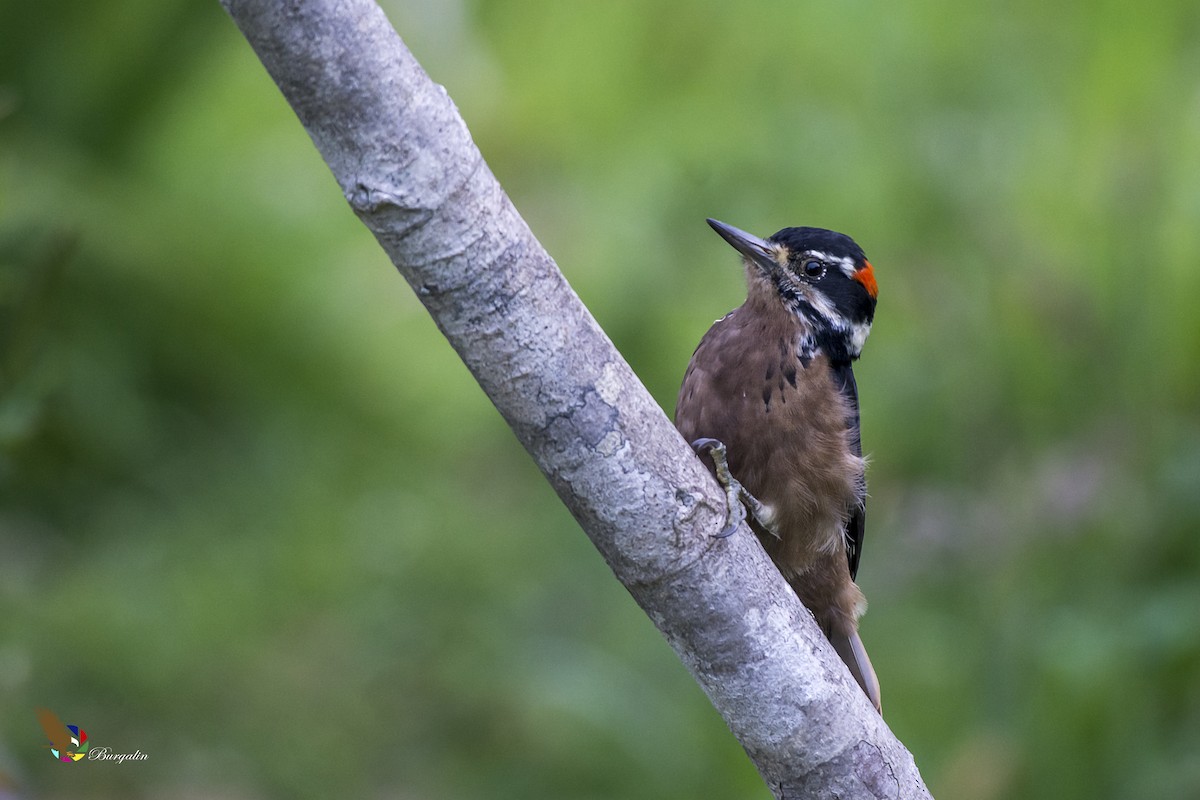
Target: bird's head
{"x":820,"y":276}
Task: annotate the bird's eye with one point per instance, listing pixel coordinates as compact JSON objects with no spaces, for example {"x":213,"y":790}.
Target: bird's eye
{"x":813,"y":268}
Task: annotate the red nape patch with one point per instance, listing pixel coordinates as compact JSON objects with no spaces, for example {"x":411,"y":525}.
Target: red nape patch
{"x":866,"y":276}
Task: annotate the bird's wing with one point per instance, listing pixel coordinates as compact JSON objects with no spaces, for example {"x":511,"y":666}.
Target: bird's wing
{"x":856,"y":526}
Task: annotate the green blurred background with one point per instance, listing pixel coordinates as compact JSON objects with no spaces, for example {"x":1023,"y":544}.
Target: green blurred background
{"x":257,"y":520}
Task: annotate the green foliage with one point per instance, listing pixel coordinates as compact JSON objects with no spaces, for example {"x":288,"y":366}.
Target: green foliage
{"x":258,"y":521}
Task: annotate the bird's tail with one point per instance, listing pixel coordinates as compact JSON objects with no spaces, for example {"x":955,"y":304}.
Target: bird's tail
{"x":850,"y":647}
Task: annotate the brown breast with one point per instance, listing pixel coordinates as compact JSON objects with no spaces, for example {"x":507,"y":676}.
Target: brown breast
{"x":783,"y":422}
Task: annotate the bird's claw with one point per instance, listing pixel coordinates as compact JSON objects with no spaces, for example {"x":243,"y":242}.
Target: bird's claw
{"x":735,"y":494}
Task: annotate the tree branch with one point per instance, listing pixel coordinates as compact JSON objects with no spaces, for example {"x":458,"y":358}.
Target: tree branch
{"x":409,"y":169}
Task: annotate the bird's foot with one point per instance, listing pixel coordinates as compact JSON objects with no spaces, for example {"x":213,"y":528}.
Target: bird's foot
{"x":736,"y":495}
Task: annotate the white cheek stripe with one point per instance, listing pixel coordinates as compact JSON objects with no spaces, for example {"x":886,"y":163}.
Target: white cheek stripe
{"x":820,"y":303}
{"x":858,"y":331}
{"x":858,"y":337}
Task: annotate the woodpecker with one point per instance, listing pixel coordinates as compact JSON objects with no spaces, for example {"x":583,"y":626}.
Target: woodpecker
{"x":770,"y":396}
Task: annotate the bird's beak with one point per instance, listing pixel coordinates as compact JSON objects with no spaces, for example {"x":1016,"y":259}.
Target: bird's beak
{"x":758,"y":251}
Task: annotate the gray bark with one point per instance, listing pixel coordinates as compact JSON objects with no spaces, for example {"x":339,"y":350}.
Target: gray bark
{"x":409,"y":169}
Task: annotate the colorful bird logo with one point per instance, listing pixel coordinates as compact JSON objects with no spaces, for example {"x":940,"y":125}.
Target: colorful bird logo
{"x":67,"y":742}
